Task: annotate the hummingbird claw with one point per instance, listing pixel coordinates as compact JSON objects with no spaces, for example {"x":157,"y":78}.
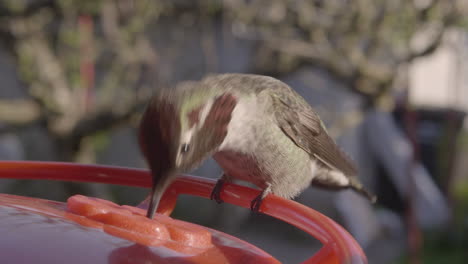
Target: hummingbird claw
{"x":216,"y":193}
{"x":256,"y":203}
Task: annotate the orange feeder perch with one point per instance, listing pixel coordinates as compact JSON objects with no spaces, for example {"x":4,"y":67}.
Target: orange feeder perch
{"x":92,"y":230}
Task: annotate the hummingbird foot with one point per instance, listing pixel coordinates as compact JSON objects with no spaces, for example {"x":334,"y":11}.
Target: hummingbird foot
{"x":257,"y":201}
{"x":216,"y":193}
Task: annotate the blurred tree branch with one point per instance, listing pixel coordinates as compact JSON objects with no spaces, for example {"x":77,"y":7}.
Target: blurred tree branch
{"x":89,"y":65}
{"x":60,"y":45}
{"x":361,"y":42}
{"x":19,"y":111}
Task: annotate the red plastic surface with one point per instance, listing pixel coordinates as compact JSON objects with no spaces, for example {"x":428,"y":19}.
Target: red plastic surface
{"x":338,"y":245}
{"x":40,"y":231}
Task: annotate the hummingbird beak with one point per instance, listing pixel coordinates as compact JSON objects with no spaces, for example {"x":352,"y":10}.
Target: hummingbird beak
{"x":160,"y":184}
{"x":154,"y":202}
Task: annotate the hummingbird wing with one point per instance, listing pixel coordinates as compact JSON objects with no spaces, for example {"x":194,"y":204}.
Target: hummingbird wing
{"x":303,"y":126}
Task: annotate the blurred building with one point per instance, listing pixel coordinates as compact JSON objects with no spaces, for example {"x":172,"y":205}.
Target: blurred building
{"x":441,"y":79}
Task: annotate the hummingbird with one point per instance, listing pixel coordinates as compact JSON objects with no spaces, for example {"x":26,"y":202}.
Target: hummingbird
{"x":255,"y":127}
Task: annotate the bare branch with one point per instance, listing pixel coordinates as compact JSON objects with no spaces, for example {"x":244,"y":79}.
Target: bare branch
{"x":18,"y":112}
{"x":449,"y":17}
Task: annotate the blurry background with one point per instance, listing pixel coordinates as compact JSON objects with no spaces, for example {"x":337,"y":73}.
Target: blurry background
{"x":389,"y":78}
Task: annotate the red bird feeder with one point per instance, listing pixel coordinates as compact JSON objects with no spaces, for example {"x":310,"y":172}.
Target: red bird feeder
{"x":91,"y":230}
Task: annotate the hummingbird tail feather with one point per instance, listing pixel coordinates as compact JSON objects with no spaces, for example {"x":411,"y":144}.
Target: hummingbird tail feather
{"x":358,"y":187}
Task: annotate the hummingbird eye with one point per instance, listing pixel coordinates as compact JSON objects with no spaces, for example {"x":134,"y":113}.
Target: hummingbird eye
{"x":185,"y":148}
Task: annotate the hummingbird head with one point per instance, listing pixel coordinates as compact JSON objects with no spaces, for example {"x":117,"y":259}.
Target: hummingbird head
{"x":179,"y":129}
